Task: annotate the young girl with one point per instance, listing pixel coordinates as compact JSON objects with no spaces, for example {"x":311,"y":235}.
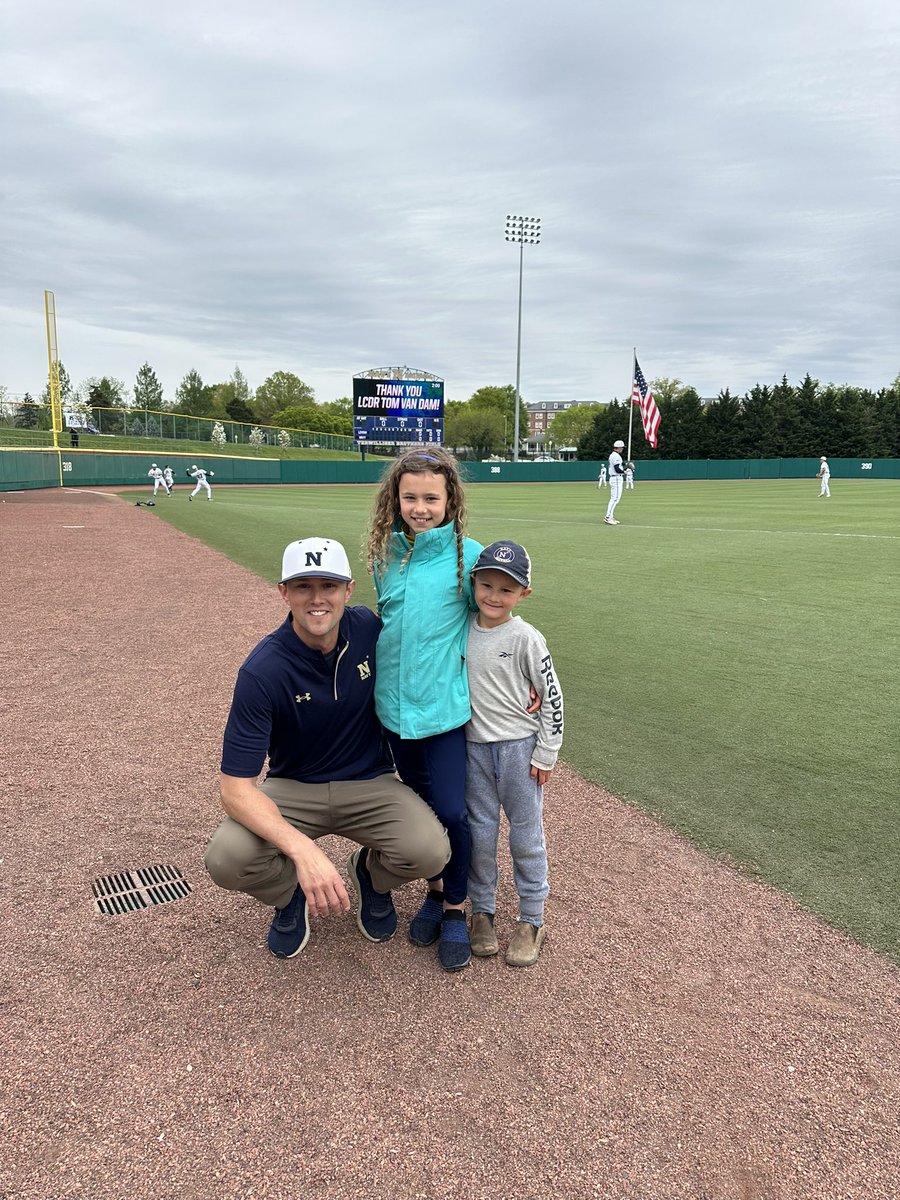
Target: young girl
{"x":421,"y":562}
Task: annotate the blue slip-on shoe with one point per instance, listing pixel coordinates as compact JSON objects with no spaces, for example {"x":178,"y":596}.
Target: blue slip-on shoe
{"x":375,"y":913}
{"x":454,"y":948}
{"x":289,"y":931}
{"x":425,"y":927}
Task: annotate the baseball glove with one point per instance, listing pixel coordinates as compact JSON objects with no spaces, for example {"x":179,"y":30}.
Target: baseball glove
{"x":188,"y":471}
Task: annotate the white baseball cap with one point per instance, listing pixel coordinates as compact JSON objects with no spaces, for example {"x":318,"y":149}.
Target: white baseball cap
{"x":823,"y":459}
{"x":319,"y":557}
{"x":618,"y":443}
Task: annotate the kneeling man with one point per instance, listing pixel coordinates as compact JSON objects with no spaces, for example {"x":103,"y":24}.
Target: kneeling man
{"x":304,"y":697}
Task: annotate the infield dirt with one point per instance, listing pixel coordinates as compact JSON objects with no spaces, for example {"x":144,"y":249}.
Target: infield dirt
{"x":687,"y":1033}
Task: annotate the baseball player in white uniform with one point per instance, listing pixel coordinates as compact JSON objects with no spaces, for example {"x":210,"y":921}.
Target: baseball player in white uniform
{"x":824,"y":474}
{"x":601,"y":478}
{"x":629,"y":477}
{"x":158,"y":480}
{"x":169,"y":478}
{"x":616,"y":479}
{"x":200,"y":474}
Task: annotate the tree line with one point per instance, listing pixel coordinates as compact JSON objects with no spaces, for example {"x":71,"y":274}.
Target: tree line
{"x":283,"y":400}
{"x":782,"y":421}
{"x":482,"y":425}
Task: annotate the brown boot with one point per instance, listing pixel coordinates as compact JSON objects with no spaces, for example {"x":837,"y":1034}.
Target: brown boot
{"x":482,"y":936}
{"x":526,"y":944}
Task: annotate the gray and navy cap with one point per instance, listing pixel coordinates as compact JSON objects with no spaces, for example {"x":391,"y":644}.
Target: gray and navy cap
{"x":506,"y":556}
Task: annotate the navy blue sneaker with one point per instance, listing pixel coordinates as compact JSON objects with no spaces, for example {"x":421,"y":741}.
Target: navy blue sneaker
{"x":454,"y":948}
{"x":425,"y":927}
{"x":375,"y":914}
{"x":289,"y":931}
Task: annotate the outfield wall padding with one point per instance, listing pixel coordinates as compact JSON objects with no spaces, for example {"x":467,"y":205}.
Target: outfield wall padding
{"x":21,"y":469}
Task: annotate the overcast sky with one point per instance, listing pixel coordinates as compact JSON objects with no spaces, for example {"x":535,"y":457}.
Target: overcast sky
{"x":322,"y":188}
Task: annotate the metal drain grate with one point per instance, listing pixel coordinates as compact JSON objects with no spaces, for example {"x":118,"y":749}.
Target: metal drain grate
{"x":115,"y":895}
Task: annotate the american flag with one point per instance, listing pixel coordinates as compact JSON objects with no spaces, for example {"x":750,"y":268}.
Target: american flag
{"x":641,"y":394}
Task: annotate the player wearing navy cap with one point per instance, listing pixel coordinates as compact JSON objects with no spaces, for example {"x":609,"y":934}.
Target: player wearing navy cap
{"x":510,"y":752}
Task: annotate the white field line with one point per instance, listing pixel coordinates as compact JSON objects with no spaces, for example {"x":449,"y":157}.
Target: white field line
{"x":889,"y":537}
{"x":884,"y":537}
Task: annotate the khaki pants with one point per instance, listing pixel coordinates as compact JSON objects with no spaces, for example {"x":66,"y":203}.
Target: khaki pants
{"x":406,"y":838}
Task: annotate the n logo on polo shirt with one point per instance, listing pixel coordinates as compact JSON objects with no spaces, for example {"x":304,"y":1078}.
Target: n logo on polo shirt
{"x":365,"y":671}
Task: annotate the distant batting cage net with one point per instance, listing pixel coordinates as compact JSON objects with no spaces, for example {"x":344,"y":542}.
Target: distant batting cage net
{"x":26,"y":423}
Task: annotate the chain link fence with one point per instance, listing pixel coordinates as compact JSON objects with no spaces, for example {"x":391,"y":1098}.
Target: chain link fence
{"x":26,"y":423}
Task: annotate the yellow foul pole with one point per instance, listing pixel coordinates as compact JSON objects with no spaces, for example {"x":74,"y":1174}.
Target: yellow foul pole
{"x":53,"y":358}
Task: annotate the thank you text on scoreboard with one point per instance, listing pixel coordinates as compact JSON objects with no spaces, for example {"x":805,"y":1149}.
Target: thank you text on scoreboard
{"x":387,"y":411}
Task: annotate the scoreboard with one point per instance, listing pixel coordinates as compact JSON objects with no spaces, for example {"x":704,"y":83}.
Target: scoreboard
{"x":391,"y":411}
{"x":389,"y":431}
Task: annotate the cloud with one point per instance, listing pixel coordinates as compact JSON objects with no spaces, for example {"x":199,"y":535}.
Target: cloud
{"x":292,"y":188}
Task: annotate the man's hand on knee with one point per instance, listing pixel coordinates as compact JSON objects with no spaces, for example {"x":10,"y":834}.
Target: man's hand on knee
{"x":321,"y":883}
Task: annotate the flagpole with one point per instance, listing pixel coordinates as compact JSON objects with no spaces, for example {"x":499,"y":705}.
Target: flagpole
{"x":631,"y":401}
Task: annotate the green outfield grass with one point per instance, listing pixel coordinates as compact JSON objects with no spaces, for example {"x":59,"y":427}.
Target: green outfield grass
{"x":729,"y":656}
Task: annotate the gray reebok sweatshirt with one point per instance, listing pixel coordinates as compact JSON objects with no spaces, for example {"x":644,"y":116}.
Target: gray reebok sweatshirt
{"x":502,"y":663}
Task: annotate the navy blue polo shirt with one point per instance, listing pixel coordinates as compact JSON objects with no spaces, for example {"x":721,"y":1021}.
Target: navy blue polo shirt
{"x":314,"y":717}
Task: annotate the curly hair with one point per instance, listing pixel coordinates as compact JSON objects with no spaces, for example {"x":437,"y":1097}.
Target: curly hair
{"x":433,"y":460}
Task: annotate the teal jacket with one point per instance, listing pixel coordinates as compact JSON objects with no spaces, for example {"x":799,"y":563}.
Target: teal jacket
{"x":420,"y":680}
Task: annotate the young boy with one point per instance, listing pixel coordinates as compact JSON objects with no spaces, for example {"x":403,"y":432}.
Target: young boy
{"x":510,"y":753}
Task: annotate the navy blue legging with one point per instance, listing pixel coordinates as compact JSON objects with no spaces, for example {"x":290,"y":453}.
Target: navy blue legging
{"x":435,"y":768}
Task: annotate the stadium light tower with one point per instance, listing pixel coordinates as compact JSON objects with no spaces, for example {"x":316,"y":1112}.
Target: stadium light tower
{"x":527,"y":232}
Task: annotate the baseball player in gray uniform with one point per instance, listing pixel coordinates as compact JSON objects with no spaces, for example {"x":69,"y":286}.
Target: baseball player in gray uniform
{"x":616,"y":479}
{"x":510,"y":753}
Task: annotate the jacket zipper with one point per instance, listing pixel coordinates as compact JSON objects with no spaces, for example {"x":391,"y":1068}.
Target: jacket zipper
{"x":337,"y":663}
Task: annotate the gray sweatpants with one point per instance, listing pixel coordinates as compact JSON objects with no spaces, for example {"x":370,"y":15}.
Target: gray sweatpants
{"x":498,"y":775}
{"x":406,"y":838}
